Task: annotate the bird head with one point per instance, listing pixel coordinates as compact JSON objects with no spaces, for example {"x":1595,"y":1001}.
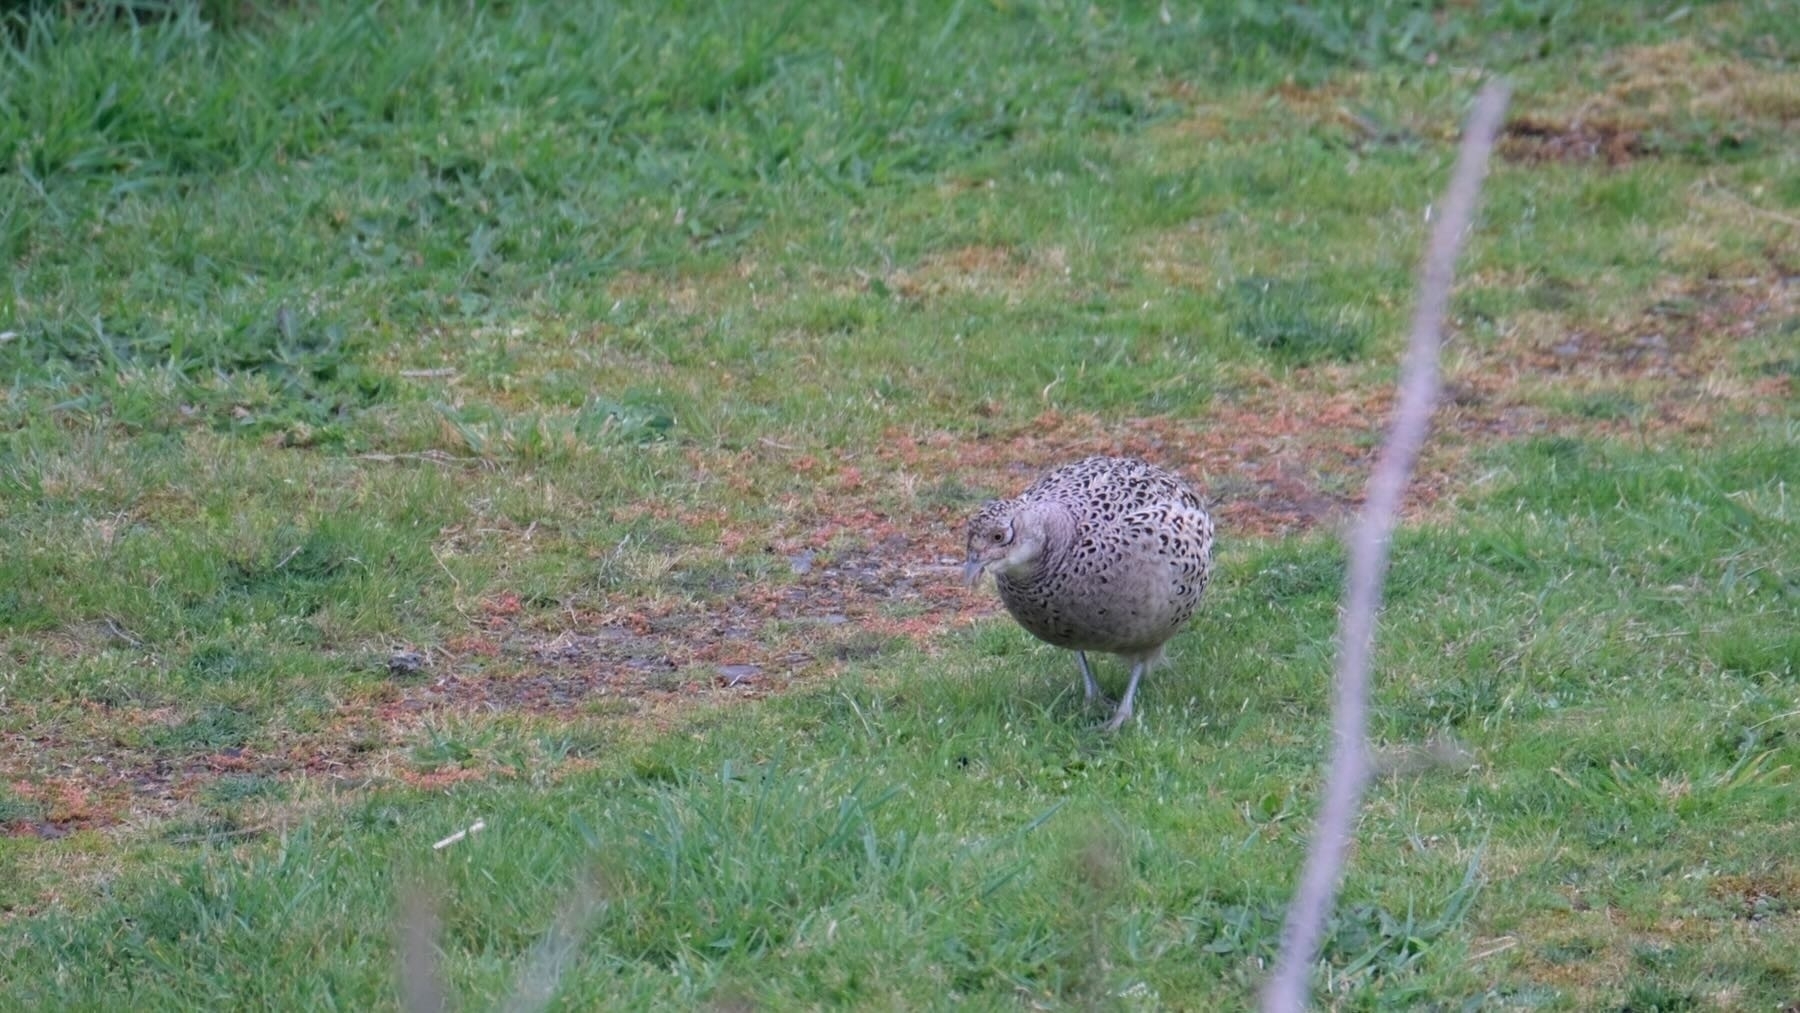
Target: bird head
{"x":1004,"y":534}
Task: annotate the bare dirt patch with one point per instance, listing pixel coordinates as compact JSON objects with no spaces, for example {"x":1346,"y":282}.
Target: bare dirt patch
{"x":1656,"y":100}
{"x":1533,"y":139}
{"x":867,"y":555}
{"x":839,"y":605}
{"x":110,"y":785}
{"x":1674,"y":367}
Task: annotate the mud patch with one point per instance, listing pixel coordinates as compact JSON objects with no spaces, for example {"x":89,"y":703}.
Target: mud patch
{"x":848,"y":601}
{"x":1533,"y":140}
{"x":1650,"y":353}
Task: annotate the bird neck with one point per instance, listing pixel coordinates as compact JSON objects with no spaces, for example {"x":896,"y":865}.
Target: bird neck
{"x":1041,"y":533}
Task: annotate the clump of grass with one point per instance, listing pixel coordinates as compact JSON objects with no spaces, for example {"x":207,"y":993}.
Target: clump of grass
{"x":210,"y":729}
{"x":219,"y":662}
{"x":1285,"y":320}
{"x":265,"y":375}
{"x":451,"y":744}
{"x":237,"y":788}
{"x":536,"y":437}
{"x":15,"y":808}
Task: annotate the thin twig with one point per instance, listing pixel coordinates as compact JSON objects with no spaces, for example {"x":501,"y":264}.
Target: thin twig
{"x":429,"y":456}
{"x":1505,"y":943}
{"x":1638,"y":638}
{"x":1770,"y":721}
{"x":1755,"y":209}
{"x":1348,"y":773}
{"x":218,"y":835}
{"x":113,"y":627}
{"x":457,"y":584}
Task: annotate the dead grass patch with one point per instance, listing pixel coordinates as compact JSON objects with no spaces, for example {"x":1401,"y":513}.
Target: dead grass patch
{"x":1656,"y":100}
{"x":983,"y":270}
{"x":1676,"y":365}
{"x":1657,"y":83}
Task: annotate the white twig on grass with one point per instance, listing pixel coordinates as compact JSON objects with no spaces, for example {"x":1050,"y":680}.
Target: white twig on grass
{"x":1349,"y":768}
{"x":474,"y":828}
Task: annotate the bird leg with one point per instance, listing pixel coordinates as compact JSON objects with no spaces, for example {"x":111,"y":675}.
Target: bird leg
{"x":1088,"y":684}
{"x":1123,"y":713}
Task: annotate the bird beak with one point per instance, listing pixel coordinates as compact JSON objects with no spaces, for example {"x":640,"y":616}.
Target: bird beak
{"x":972,"y":571}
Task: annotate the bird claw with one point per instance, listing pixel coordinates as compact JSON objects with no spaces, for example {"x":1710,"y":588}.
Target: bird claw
{"x":1115,"y":722}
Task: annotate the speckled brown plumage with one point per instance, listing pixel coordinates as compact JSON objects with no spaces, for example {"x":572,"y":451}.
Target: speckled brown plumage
{"x":1107,"y":554}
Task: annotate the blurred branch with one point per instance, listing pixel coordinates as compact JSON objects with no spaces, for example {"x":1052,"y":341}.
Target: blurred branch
{"x":540,"y":976}
{"x":422,"y":985}
{"x":1348,"y":772}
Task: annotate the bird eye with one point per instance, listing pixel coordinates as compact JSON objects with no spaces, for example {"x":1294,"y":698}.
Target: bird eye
{"x":998,"y":536}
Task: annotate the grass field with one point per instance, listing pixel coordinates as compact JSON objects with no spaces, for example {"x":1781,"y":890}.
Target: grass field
{"x":562,"y":416}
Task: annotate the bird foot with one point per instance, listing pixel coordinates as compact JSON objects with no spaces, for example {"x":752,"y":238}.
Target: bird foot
{"x":1117,"y":721}
{"x":1123,"y":713}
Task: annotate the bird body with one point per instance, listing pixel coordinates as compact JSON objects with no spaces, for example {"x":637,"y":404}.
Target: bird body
{"x":1108,"y":554}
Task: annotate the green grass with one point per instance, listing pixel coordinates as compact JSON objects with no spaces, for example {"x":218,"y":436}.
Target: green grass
{"x":634,"y":367}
